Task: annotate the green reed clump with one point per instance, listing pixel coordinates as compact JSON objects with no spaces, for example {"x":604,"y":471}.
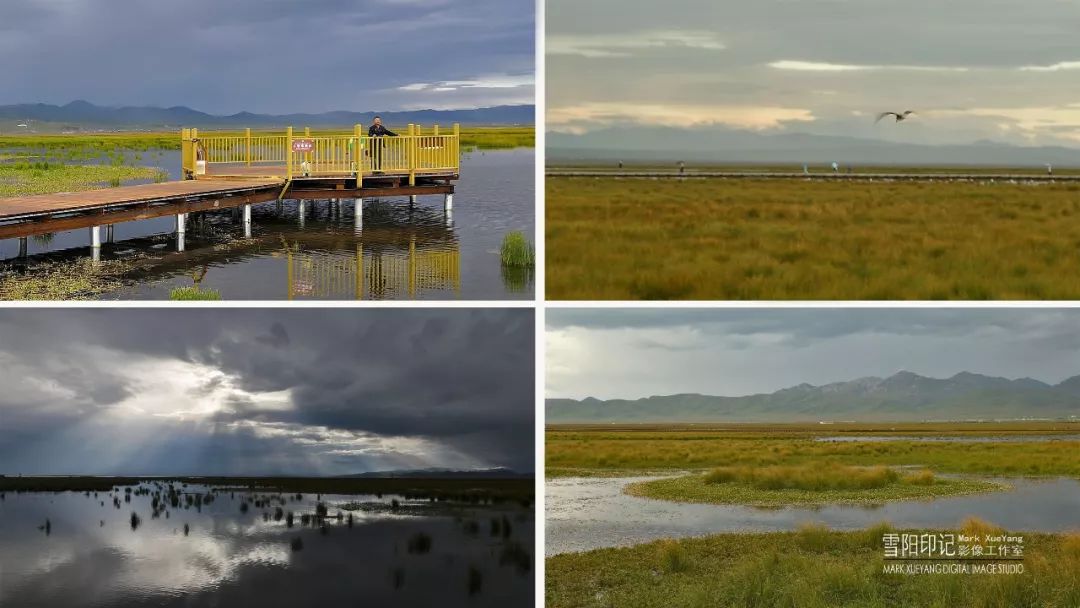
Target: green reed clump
{"x":517,"y":251}
{"x":192,"y":294}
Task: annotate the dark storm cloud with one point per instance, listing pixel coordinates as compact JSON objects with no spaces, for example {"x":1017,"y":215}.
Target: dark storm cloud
{"x":641,"y":352}
{"x":458,"y":378}
{"x":271,"y":56}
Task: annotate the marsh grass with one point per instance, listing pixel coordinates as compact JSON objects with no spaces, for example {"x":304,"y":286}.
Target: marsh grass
{"x":195,"y":293}
{"x":673,"y":557}
{"x":794,"y":239}
{"x":788,"y":485}
{"x":516,"y":251}
{"x":601,"y":451}
{"x":20,"y":179}
{"x":813,"y":567}
{"x":69,"y":280}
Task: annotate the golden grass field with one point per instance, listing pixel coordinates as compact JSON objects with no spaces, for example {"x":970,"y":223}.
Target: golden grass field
{"x":597,"y":450}
{"x":796,"y":239}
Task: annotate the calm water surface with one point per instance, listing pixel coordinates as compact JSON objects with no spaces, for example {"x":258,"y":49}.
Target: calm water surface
{"x":318,"y":254}
{"x":591,"y":513}
{"x":93,"y":556}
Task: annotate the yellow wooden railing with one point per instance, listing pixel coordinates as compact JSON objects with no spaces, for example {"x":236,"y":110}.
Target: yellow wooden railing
{"x":414,"y":152}
{"x":374,"y":275}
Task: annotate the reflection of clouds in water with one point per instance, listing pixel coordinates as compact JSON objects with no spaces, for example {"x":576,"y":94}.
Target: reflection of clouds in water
{"x":157,"y":564}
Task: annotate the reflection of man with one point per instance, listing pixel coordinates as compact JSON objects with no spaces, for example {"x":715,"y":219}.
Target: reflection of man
{"x":375,"y":131}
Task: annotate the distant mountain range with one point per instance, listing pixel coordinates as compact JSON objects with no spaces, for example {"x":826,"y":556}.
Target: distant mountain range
{"x":83,"y":114}
{"x":498,"y":473}
{"x":903,"y":397}
{"x":721,"y":145}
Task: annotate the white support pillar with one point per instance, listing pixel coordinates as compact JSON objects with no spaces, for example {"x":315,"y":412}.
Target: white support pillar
{"x":358,"y":214}
{"x":449,"y":216}
{"x":301,"y":207}
{"x":179,"y":241}
{"x":247,"y":221}
{"x":23,"y":241}
{"x":181,"y":223}
{"x":412,"y":199}
{"x":109,"y":233}
{"x":95,"y":237}
{"x":448,"y":201}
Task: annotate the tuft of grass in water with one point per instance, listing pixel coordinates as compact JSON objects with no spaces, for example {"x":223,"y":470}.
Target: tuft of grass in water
{"x":976,"y":526}
{"x":924,"y":477}
{"x":191,"y":294}
{"x":673,"y":557}
{"x":516,"y":251}
{"x":419,"y":543}
{"x":78,"y":280}
{"x":475,"y":580}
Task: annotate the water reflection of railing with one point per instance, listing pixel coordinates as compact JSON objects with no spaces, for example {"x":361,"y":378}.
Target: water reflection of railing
{"x":374,"y":274}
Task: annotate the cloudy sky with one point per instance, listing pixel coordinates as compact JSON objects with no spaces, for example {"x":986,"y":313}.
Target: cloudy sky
{"x":1002,"y":70}
{"x":270,"y":56}
{"x":265,"y":391}
{"x":643,"y":352}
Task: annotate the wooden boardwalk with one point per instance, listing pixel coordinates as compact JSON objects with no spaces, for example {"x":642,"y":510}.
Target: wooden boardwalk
{"x":43,"y":206}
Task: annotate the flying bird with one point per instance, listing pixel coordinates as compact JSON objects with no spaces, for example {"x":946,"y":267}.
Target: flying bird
{"x":898,"y":116}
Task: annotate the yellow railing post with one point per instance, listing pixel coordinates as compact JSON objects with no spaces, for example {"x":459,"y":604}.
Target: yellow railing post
{"x":410,"y":152}
{"x":247,"y":136}
{"x":288,"y":153}
{"x":185,"y":154}
{"x":358,"y":155}
{"x":456,"y":148}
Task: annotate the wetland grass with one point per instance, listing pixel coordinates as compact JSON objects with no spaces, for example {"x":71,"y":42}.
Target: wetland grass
{"x":795,"y":240}
{"x":194,"y":294}
{"x":599,"y":451}
{"x":807,"y":484}
{"x":516,"y":251}
{"x":813,"y":567}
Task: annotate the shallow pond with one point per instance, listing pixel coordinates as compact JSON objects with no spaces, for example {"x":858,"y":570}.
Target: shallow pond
{"x":584,"y":513}
{"x":449,"y":256}
{"x":93,"y":555}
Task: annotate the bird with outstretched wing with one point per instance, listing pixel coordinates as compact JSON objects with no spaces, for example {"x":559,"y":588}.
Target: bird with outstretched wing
{"x":899,"y":116}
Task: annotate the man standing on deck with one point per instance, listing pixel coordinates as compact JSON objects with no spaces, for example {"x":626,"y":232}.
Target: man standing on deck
{"x":375,"y":131}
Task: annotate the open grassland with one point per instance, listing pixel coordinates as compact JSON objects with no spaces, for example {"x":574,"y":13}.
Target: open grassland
{"x":25,"y":178}
{"x":811,"y":568}
{"x":776,"y":486}
{"x":598,"y":451}
{"x":798,"y":239}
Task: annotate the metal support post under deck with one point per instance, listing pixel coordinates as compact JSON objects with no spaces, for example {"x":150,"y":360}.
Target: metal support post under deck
{"x":412,"y":199}
{"x":358,"y":214}
{"x":448,"y":202}
{"x":247,"y":221}
{"x":23,"y":246}
{"x":301,"y":210}
{"x":109,"y":233}
{"x":95,"y":243}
